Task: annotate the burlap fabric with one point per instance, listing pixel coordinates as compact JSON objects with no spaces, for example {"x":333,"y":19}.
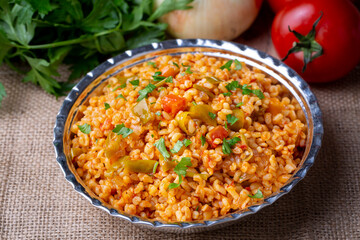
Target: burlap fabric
{"x":36,"y":202}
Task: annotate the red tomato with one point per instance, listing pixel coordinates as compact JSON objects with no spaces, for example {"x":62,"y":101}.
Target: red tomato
{"x":277,"y":5}
{"x":173,"y":104}
{"x":216,"y":132}
{"x":337,"y":32}
{"x":169,"y":70}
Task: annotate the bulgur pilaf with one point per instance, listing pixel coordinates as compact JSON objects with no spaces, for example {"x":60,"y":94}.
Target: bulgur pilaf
{"x":188,"y":138}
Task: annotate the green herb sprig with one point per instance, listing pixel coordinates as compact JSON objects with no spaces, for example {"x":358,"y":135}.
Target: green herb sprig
{"x":82,"y":34}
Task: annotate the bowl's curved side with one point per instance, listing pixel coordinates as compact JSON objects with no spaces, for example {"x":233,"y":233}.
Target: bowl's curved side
{"x":314,"y":115}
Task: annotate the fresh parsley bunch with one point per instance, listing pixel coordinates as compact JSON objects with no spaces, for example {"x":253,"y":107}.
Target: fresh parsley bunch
{"x":81,"y":33}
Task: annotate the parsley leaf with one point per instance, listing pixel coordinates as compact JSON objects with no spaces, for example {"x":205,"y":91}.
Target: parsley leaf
{"x":258,"y":93}
{"x":233,"y":86}
{"x":177,"y":147}
{"x":144,"y":92}
{"x":158,"y":113}
{"x":120,"y":129}
{"x":238,"y":65}
{"x":157,"y":76}
{"x":160,"y":145}
{"x":169,"y":79}
{"x":228,"y":144}
{"x":258,"y":194}
{"x":227,"y":94}
{"x":180,"y":170}
{"x":203,"y":140}
{"x":227,"y":65}
{"x":107,"y":106}
{"x":194,"y":103}
{"x":185,"y":65}
{"x":151,"y":64}
{"x":135,"y":82}
{"x":231,"y":119}
{"x":120,"y":96}
{"x":155,"y":167}
{"x":85,"y":128}
{"x":186,"y":142}
{"x":188,"y":71}
{"x":226,"y":126}
{"x":239,"y":104}
{"x":212,"y":115}
{"x":175,"y":64}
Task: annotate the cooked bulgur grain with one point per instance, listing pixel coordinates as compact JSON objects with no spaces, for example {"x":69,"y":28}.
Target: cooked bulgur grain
{"x":191,"y":140}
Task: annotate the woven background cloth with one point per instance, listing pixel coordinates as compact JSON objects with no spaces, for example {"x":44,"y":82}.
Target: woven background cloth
{"x":36,"y":202}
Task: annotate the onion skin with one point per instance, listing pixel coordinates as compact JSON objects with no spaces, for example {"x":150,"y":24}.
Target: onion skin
{"x":212,"y":19}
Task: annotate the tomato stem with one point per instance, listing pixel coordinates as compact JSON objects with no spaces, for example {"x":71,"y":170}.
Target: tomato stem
{"x":307,"y":45}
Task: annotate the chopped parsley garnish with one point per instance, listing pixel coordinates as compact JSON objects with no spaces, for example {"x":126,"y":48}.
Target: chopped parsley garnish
{"x":120,"y":86}
{"x":186,"y":142}
{"x":120,"y":129}
{"x":227,"y":94}
{"x":239,"y":104}
{"x":144,"y":92}
{"x":177,"y":147}
{"x":121,"y":96}
{"x":135,"y":82}
{"x":85,"y":128}
{"x":182,"y":74}
{"x":212,"y":115}
{"x":258,"y":194}
{"x":152,"y":135}
{"x":155,"y":167}
{"x":226,"y":126}
{"x":107,"y":106}
{"x":197,"y":208}
{"x":227,"y":65}
{"x":152,"y":103}
{"x":233,"y":86}
{"x":258,"y":93}
{"x":203,"y":140}
{"x":246,"y":89}
{"x":151,"y":64}
{"x":158,"y":113}
{"x":175,"y":64}
{"x":180,"y":170}
{"x":185,"y":65}
{"x":160,"y":145}
{"x":228,"y":144}
{"x":231,"y":119}
{"x":194,"y":103}
{"x":169,"y":79}
{"x":188,"y":71}
{"x":238,"y":65}
{"x":157,"y":76}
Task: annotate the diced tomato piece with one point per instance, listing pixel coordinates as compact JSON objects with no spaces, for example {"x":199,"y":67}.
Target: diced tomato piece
{"x":248,"y":188}
{"x":216,"y":132}
{"x":173,"y":104}
{"x":169,"y":70}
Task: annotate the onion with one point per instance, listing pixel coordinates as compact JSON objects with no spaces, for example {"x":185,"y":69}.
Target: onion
{"x":212,"y":19}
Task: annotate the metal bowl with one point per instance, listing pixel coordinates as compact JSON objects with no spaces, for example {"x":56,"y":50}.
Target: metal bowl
{"x":93,"y":81}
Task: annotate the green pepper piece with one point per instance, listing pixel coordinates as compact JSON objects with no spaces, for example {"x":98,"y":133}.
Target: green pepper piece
{"x":201,"y":112}
{"x":202,"y":175}
{"x":213,"y":80}
{"x":141,"y":109}
{"x":166,"y":164}
{"x":74,"y":152}
{"x":113,"y":146}
{"x":183,"y":119}
{"x":239,"y":114}
{"x":116,"y":165}
{"x":140,"y":166}
{"x":205,"y":90}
